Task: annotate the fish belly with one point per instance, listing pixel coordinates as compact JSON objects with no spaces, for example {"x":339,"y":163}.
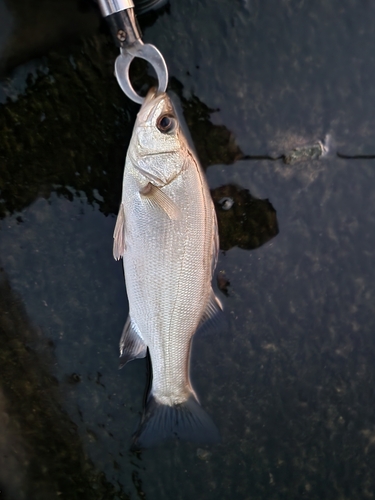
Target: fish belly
{"x":167,"y":266}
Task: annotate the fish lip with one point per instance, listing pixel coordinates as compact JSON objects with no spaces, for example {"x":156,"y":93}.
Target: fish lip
{"x":150,"y":95}
{"x":150,"y":103}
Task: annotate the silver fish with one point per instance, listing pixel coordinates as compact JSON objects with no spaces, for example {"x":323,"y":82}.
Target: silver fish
{"x":166,"y":233}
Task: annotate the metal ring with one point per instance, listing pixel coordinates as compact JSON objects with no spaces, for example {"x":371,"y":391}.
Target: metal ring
{"x":145,"y":51}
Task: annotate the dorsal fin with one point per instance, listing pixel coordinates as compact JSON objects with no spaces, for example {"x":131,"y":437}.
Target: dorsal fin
{"x":119,"y":245}
{"x":215,"y":243}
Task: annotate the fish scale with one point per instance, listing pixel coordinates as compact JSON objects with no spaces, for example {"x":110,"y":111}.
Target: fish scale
{"x":167,"y":235}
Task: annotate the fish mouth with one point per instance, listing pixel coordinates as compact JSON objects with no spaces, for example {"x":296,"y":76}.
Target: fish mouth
{"x":152,"y":99}
{"x":150,"y":95}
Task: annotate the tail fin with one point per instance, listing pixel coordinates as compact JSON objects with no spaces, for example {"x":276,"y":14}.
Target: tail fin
{"x":186,"y":421}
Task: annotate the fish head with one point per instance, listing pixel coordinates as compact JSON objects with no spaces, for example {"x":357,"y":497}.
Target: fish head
{"x":158,"y":147}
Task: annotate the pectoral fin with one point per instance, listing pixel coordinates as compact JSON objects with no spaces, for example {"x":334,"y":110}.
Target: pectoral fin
{"x":131,"y":344}
{"x":156,"y":197}
{"x":119,"y":245}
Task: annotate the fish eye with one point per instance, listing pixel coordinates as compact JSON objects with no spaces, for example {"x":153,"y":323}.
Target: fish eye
{"x":166,"y":123}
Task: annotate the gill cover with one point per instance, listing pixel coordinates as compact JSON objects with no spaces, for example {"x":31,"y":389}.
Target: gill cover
{"x":159,"y":146}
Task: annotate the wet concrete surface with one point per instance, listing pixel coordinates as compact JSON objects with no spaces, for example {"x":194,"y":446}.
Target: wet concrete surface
{"x":290,"y":379}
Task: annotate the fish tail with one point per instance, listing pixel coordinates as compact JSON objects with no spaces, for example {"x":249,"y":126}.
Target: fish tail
{"x":186,"y":421}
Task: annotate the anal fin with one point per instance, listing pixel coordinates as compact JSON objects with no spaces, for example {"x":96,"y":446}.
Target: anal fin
{"x":131,"y":344}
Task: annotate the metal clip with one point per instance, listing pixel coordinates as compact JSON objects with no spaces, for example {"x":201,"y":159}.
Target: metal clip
{"x":145,"y":51}
{"x":122,"y":20}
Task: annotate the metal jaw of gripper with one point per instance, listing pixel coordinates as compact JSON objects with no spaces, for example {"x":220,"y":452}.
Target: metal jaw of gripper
{"x":126,"y":33}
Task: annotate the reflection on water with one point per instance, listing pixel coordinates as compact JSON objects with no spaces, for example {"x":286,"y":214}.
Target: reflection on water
{"x":290,"y":381}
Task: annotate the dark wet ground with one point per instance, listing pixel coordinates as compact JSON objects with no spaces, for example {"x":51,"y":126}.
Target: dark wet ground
{"x":291,"y":380}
